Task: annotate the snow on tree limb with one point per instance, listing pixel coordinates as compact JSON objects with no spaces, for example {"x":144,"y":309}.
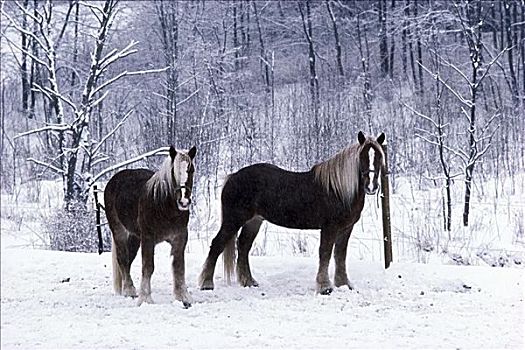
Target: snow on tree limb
{"x":126,"y":74}
{"x":108,"y":135}
{"x":55,"y":127}
{"x":162,"y":150}
{"x":449,"y":88}
{"x":46,"y":165}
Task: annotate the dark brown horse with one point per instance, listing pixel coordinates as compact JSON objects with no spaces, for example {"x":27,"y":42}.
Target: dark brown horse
{"x":329,"y":197}
{"x":145,"y":208}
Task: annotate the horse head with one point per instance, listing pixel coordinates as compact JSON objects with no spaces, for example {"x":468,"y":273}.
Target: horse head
{"x":182,"y":175}
{"x":371,"y":162}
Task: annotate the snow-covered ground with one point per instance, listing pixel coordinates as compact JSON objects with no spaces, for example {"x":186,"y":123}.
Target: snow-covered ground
{"x":57,"y":300}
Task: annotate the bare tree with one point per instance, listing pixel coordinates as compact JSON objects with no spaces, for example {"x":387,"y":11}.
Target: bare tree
{"x":167,"y":12}
{"x":74,"y":117}
{"x":306,"y":19}
{"x":479,"y":133}
{"x":337,"y":41}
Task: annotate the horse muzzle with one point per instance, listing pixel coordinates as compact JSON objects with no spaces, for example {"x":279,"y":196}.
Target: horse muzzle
{"x":371,"y":192}
{"x":183,"y":205}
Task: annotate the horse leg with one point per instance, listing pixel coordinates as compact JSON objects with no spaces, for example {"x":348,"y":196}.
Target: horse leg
{"x":244,"y":244}
{"x":226,"y":233}
{"x":340,"y":249}
{"x":148,"y":265}
{"x":178,"y":245}
{"x":325,"y":253}
{"x":122,"y":259}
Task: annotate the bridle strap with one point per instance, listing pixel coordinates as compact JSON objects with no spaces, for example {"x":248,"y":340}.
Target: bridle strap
{"x":178,"y":188}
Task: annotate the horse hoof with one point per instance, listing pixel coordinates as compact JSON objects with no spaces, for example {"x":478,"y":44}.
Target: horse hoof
{"x":207,"y":286}
{"x":347,"y":283}
{"x":146,"y":299}
{"x":186,"y":304}
{"x":130,"y":292}
{"x":326,"y":291}
{"x":249,"y":283}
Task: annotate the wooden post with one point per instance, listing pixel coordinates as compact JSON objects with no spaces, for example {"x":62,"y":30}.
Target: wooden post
{"x":99,"y":230}
{"x":385,"y":206}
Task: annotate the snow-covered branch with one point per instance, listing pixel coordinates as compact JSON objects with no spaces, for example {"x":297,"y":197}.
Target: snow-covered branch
{"x":437,"y":77}
{"x":47,"y":165}
{"x":51,"y":94}
{"x":162,"y":150}
{"x":125,"y":74}
{"x":108,"y":135}
{"x":115,"y":55}
{"x":54,"y":127}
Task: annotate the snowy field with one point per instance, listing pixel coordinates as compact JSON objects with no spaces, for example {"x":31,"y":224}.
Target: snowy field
{"x":59,"y":300}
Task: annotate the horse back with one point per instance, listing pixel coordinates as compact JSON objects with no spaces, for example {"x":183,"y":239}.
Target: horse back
{"x":122,"y":194}
{"x":285,"y":198}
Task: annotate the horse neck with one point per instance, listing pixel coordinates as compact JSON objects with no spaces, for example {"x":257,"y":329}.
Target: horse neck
{"x":340,"y":175}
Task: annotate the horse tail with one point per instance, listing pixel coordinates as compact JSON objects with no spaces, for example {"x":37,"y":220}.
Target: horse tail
{"x":228,"y":259}
{"x":117,"y":275}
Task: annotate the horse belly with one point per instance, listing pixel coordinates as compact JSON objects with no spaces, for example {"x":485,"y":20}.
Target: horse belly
{"x":297,"y":217}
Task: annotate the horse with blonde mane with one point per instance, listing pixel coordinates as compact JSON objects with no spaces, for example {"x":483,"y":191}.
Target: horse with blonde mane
{"x":329,"y":197}
{"x":145,"y":208}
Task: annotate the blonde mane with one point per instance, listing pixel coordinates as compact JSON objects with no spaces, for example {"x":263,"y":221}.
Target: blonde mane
{"x":340,"y":173}
{"x":162,"y":183}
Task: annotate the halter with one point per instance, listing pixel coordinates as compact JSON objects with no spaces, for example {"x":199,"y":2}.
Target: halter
{"x":368,"y":171}
{"x":179,"y":188}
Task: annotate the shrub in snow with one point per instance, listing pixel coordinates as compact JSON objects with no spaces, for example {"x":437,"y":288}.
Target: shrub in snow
{"x":75,"y":230}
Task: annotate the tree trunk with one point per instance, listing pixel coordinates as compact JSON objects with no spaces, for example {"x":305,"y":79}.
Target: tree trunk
{"x":314,"y":82}
{"x":338,"y":60}
{"x":392,"y":46}
{"x":26,"y":87}
{"x":411,"y":49}
{"x":236,"y":47}
{"x":168,"y":17}
{"x":510,"y":53}
{"x":75,"y":45}
{"x":365,"y":59}
{"x":419,"y":55}
{"x":522,"y":29}
{"x":383,"y":40}
{"x":475,"y":47}
{"x":404,"y":41}
{"x":264,"y":58}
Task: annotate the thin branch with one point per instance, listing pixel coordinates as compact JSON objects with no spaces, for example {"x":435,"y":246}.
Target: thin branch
{"x":66,"y":22}
{"x":49,"y":166}
{"x":187,"y":98}
{"x":490,"y":64}
{"x":436,"y":76}
{"x":162,"y":150}
{"x":100,"y":99}
{"x":36,"y":59}
{"x":126,"y":74}
{"x":114,"y":55}
{"x":49,"y":93}
{"x":120,"y":123}
{"x":54,"y":127}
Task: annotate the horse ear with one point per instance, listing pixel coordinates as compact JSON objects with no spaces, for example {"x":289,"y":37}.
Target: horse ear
{"x":361,"y":137}
{"x":173,"y":152}
{"x":381,"y":138}
{"x":192,"y":152}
